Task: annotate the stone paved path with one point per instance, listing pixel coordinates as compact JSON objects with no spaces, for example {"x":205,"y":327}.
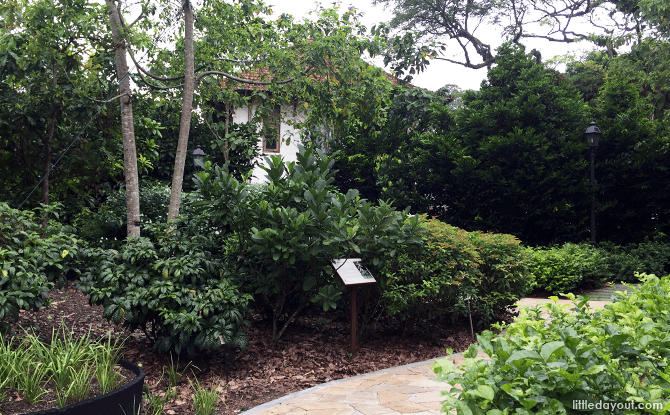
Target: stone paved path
{"x":408,"y":389}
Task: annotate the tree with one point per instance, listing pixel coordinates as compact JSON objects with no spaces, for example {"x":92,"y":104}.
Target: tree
{"x":632,"y":160}
{"x":402,"y":155}
{"x":47,"y":68}
{"x":127,"y":126}
{"x":521,"y":167}
{"x":241,"y":47}
{"x":426,"y":29}
{"x":588,"y":74}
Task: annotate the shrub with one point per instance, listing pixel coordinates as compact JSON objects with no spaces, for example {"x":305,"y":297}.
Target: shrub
{"x":621,"y":263}
{"x":504,"y":273}
{"x":106,"y":226}
{"x":171,"y":287}
{"x":21,"y":287}
{"x":282,"y":236}
{"x":32,"y":259}
{"x":561,"y":269}
{"x":542,"y":365}
{"x":568,"y":267}
{"x":450,"y":267}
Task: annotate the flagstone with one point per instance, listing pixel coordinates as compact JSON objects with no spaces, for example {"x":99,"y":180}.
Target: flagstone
{"x":391,"y":396}
{"x":405,"y":407}
{"x":426,"y":397}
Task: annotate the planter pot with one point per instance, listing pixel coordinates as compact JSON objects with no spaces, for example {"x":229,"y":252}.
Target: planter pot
{"x":123,"y":401}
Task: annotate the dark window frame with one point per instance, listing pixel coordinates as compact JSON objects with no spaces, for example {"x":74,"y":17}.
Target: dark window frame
{"x":274,"y":122}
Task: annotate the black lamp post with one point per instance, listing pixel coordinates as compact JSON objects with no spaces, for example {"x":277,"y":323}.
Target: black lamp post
{"x":592,"y":135}
{"x":198,"y":156}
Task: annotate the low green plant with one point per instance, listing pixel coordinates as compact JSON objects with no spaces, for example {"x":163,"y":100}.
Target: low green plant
{"x":67,"y":363}
{"x":561,"y":269}
{"x":155,"y":404}
{"x":567,"y":267}
{"x":622,"y":262}
{"x":172,"y":287}
{"x":32,"y":259}
{"x":544,"y":364}
{"x":31,"y":382}
{"x":7,"y":357}
{"x":105,"y":356}
{"x":453,"y":267}
{"x":81,"y":383}
{"x":174,"y":375}
{"x":204,"y":401}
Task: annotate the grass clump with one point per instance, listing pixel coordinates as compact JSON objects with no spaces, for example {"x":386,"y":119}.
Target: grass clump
{"x":66,"y":365}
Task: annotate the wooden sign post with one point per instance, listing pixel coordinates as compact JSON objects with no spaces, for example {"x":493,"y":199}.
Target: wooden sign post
{"x":353,"y":273}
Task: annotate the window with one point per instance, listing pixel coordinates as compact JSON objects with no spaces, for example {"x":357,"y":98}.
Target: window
{"x":272,"y":131}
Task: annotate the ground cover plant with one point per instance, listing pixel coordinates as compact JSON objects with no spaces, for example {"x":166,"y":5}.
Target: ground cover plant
{"x":618,"y":355}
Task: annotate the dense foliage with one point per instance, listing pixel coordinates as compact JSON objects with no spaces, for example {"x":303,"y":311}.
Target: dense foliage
{"x":544,"y":364}
{"x":283,"y":235}
{"x":105,"y":226}
{"x":567,"y":267}
{"x":33,"y":259}
{"x":173,"y":287}
{"x":520,"y":168}
{"x":454,"y":272}
{"x":511,"y":157}
{"x":631,"y":162}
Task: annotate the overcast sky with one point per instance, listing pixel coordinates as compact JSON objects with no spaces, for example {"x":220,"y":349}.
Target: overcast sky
{"x":439,"y":73}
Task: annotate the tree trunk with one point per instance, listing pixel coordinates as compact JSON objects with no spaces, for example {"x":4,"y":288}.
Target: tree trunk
{"x":226,"y":144}
{"x":127,"y":127}
{"x":47,"y":142}
{"x":186,"y":110}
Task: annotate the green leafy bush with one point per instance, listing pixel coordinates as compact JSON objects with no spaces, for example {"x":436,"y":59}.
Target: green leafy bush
{"x":563,"y":268}
{"x":620,"y":263}
{"x":21,"y":287}
{"x":451,"y":267}
{"x":618,"y":355}
{"x":567,"y":267}
{"x":282,"y":236}
{"x":106,"y":226}
{"x":171,"y":287}
{"x":32,"y":259}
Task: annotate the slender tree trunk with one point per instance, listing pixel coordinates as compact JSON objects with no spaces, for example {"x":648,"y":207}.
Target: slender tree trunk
{"x":186,"y":110}
{"x":226,"y":144}
{"x":127,"y":127}
{"x":47,"y":142}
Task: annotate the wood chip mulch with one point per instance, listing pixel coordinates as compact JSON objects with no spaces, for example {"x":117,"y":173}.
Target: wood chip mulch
{"x":313,"y":350}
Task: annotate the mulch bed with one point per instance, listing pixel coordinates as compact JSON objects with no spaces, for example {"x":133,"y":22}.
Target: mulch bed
{"x":313,"y":350}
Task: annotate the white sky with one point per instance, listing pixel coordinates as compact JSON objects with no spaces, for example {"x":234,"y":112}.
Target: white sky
{"x":439,"y":73}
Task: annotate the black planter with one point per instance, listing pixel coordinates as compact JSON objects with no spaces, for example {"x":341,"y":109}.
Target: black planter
{"x":123,"y":401}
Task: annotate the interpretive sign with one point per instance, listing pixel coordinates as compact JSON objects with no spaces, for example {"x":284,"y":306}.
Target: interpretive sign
{"x":352,"y":272}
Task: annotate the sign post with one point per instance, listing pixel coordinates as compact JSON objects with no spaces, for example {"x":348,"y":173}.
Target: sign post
{"x":353,"y":273}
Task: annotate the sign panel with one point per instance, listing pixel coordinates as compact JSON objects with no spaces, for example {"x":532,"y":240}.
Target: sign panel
{"x":352,"y":272}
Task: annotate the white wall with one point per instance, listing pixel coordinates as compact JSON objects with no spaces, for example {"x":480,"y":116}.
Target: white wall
{"x":287,"y":133}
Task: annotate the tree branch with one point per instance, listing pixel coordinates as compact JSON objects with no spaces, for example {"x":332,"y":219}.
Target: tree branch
{"x":130,"y":26}
{"x":467,"y":64}
{"x":246,"y":81}
{"x":149,"y":74}
{"x":109,"y":100}
{"x":139,"y":67}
